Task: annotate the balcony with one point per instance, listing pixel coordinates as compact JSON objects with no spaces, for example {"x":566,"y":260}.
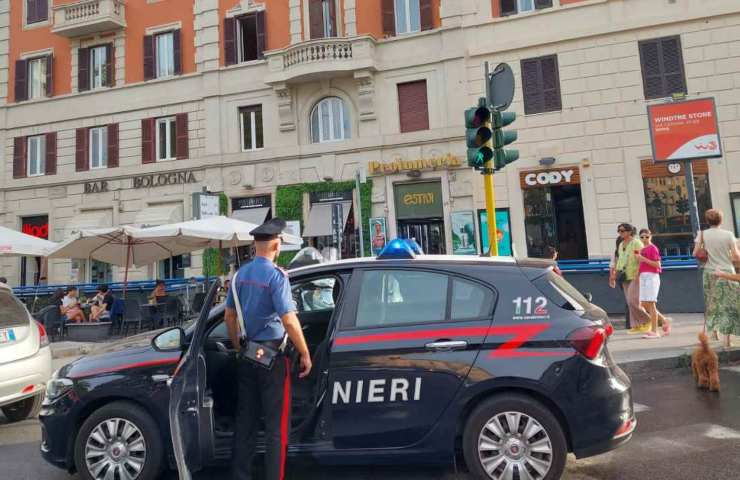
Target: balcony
{"x":320,"y":58}
{"x":89,"y":17}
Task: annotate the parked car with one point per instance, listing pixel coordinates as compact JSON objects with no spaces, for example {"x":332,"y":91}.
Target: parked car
{"x":416,"y":359}
{"x":25,"y":359}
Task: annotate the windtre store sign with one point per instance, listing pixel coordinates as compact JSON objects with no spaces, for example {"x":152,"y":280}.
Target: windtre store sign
{"x":151,"y":180}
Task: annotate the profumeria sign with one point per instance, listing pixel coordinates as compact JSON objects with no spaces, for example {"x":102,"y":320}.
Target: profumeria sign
{"x":684,"y":130}
{"x":399,"y":166}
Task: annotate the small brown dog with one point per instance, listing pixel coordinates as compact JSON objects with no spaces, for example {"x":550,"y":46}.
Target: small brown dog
{"x":705,"y":364}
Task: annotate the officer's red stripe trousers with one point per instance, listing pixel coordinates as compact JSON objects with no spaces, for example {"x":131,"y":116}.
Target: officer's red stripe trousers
{"x":285,"y":420}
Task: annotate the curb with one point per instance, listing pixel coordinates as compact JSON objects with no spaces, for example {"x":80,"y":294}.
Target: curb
{"x":71,"y":351}
{"x":683,"y":361}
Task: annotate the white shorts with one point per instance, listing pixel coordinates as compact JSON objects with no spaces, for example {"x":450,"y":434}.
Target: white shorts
{"x":649,"y":286}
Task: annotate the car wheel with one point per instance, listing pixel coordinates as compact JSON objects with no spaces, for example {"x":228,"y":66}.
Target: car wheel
{"x":511,"y":437}
{"x":119,"y":441}
{"x":28,"y":408}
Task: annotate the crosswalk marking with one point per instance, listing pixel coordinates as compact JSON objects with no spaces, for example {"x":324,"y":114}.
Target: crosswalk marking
{"x":718,"y":432}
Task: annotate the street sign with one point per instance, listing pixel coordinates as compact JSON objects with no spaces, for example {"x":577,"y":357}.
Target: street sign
{"x":501,"y":87}
{"x":684,"y":130}
{"x":205,"y":205}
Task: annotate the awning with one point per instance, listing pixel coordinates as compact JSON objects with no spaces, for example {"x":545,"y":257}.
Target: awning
{"x":319,"y":219}
{"x":160,"y":214}
{"x":251,"y":215}
{"x":89,"y":219}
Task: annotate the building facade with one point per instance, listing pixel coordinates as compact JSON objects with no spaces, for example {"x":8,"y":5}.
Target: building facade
{"x":118,"y":112}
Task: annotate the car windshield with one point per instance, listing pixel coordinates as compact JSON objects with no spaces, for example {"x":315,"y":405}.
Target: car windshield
{"x":12,"y":311}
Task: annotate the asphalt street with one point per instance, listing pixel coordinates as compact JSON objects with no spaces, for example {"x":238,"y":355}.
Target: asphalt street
{"x":683,"y":433}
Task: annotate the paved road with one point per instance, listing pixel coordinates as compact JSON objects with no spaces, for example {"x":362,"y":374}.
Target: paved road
{"x":683,"y":433}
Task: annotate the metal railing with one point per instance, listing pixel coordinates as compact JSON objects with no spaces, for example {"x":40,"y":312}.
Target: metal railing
{"x":318,"y":51}
{"x":682,"y":262}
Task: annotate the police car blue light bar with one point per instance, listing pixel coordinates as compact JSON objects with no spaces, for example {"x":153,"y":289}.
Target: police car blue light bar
{"x":400,"y":248}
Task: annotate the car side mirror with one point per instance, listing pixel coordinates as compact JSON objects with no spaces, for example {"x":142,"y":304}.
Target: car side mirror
{"x":171,"y":340}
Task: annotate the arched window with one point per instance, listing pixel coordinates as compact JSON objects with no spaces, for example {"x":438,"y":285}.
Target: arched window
{"x":330,"y":121}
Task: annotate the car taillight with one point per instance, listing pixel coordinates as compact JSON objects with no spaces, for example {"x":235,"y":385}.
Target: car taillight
{"x":43,"y":337}
{"x":588,"y":341}
{"x":609,"y":328}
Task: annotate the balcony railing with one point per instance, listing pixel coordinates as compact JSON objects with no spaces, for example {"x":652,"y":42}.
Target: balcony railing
{"x":321,"y":57}
{"x":89,"y":16}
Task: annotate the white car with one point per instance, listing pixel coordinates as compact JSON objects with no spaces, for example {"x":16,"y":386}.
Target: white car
{"x":25,"y":359}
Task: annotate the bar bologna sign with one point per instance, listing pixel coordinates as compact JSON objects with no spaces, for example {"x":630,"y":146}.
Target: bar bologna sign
{"x":684,"y":130}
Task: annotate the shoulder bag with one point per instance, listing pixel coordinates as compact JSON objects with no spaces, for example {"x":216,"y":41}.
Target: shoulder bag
{"x":701,"y":255}
{"x":254,"y":352}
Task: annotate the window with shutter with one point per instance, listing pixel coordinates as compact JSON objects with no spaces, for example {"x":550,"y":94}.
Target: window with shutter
{"x":182,"y":135}
{"x":36,"y":155}
{"x":49,"y":76}
{"x":261,"y":34}
{"x":83,"y":69}
{"x":408,"y":15}
{"x":426,"y":14}
{"x":247,"y":38}
{"x":21,"y":80}
{"x":250,"y":123}
{"x":148,"y":57}
{"x":19,"y":157}
{"x":36,"y":11}
{"x":98,"y":67}
{"x":230,"y":34}
{"x":110,"y":66}
{"x":512,"y":7}
{"x":662,"y":66}
{"x":148,"y":140}
{"x":36,"y":78}
{"x":413,"y":107}
{"x":166,"y":138}
{"x":177,"y":52}
{"x":81,"y":162}
{"x":98,"y":137}
{"x":164,"y":54}
{"x":51,"y":153}
{"x":316,"y":18}
{"x":541,"y":85}
{"x":113,"y":145}
{"x":389,"y":17}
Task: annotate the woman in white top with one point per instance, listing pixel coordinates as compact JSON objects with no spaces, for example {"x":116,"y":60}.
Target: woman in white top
{"x":721,"y":295}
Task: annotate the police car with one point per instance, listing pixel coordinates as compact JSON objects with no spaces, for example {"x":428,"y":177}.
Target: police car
{"x":417,"y":359}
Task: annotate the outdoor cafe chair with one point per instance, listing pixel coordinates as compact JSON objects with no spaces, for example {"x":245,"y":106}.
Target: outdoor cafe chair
{"x":132,"y":316}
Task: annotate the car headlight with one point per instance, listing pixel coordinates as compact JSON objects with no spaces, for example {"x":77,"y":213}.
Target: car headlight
{"x":56,"y":387}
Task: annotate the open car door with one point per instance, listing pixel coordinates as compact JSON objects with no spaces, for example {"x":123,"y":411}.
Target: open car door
{"x":186,"y":397}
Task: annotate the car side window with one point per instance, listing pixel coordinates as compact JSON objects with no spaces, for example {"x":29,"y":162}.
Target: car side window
{"x":317,"y":295}
{"x":470,"y":301}
{"x":219,"y":332}
{"x":398,"y":297}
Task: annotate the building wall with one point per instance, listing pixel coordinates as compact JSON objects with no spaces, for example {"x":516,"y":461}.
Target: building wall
{"x":601,"y":128}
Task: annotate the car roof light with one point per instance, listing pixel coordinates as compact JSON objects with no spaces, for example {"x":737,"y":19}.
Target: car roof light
{"x":414,"y":245}
{"x":397,"y":249}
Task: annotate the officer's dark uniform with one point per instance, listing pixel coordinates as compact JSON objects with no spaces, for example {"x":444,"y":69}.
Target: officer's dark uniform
{"x":265,"y":296}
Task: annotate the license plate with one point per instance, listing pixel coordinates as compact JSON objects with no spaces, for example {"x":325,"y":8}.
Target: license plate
{"x":7,"y":335}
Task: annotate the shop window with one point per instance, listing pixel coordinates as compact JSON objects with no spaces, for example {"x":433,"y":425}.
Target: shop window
{"x":413,"y":107}
{"x":174,"y":267}
{"x":37,"y":11}
{"x":330,"y":121}
{"x":244,"y":38}
{"x":251,"y":127}
{"x":36,"y":155}
{"x":541,"y":85}
{"x":662,"y":66}
{"x":513,"y":7}
{"x":162,"y":55}
{"x":396,"y":297}
{"x":100,"y":273}
{"x":667,"y":204}
{"x":322,"y":16}
{"x":33,"y":270}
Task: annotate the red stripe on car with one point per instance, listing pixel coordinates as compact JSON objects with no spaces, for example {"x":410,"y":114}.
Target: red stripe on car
{"x":117,"y":368}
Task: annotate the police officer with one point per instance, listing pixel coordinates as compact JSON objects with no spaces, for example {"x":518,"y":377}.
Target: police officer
{"x":268,"y":311}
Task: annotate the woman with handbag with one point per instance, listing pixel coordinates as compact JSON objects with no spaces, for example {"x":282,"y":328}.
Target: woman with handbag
{"x":627,"y":267}
{"x":715,"y":250}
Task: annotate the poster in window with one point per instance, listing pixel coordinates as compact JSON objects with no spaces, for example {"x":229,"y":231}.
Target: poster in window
{"x":503,"y":229}
{"x":463,"y":233}
{"x":378,"y":234}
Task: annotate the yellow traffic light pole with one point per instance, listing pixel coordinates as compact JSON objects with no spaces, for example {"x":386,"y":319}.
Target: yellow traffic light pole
{"x":490,"y":191}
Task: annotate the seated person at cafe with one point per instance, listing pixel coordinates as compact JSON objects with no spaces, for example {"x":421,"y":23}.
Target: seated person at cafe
{"x":101,"y":304}
{"x":159,"y":294}
{"x":71,"y":306}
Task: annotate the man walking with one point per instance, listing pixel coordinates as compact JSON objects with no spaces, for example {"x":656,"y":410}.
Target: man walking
{"x":259,"y":311}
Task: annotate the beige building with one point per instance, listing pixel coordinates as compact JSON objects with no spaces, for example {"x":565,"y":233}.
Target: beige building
{"x":282,"y":126}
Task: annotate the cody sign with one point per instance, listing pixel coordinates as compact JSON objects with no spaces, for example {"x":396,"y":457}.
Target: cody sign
{"x":550,"y":178}
{"x":684,"y":130}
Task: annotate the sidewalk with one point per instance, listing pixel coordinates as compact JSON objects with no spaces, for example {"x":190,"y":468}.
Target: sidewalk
{"x":636,"y":354}
{"x":632,"y":352}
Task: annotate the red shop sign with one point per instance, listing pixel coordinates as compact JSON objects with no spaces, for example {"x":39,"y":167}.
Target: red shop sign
{"x":36,"y":227}
{"x":684,"y":130}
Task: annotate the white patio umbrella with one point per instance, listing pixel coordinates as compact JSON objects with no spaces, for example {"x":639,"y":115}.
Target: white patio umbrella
{"x":211,"y":232}
{"x":15,"y":244}
{"x":117,"y":246}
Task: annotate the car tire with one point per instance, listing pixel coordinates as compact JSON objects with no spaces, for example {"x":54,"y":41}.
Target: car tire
{"x":536,"y":443}
{"x":119,"y":435}
{"x":27,"y":408}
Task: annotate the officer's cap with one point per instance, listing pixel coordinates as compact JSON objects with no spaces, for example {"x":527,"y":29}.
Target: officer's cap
{"x":269,"y":230}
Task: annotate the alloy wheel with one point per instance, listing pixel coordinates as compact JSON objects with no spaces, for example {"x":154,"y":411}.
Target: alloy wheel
{"x":514,"y":446}
{"x":115,"y":450}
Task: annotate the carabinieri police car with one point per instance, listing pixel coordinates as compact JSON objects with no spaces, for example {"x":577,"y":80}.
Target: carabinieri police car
{"x":417,"y":359}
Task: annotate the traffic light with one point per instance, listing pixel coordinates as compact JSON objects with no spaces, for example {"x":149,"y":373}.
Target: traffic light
{"x":479,"y":134}
{"x":501,"y":139}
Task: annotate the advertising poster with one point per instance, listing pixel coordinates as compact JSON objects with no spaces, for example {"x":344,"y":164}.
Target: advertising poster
{"x":684,"y":130}
{"x":503,"y":227}
{"x":463,"y":233}
{"x":378,"y":234}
